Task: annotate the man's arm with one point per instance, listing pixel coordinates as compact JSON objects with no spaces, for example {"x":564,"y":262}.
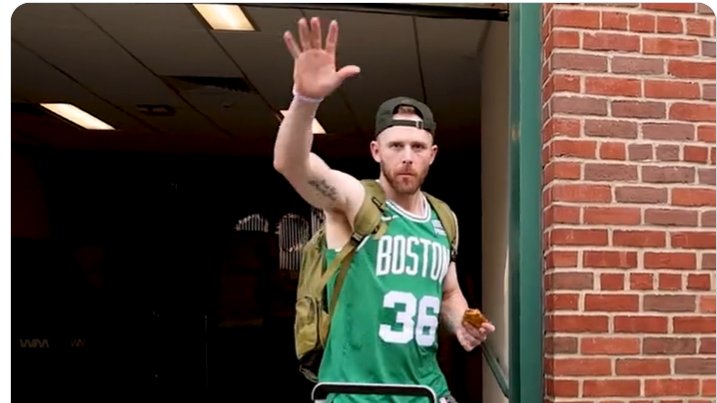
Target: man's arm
{"x":311,"y":177}
{"x":454,"y":304}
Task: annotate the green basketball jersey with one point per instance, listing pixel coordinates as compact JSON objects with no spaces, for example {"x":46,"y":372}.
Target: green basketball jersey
{"x":384,"y":326}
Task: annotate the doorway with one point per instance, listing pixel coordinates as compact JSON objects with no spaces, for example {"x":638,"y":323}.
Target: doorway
{"x":152,"y":248}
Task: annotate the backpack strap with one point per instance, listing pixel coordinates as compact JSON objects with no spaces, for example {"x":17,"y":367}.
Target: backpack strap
{"x":368,"y":221}
{"x":448,"y":220}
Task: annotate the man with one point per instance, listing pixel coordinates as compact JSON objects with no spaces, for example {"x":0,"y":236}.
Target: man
{"x":384,"y":327}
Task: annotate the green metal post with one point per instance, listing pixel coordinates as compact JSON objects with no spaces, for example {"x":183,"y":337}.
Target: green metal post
{"x":526,"y":296}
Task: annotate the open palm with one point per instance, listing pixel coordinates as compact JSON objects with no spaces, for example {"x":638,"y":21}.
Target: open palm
{"x":315,"y":73}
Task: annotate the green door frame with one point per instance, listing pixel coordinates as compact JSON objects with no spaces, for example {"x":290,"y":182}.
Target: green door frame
{"x":525,"y":226}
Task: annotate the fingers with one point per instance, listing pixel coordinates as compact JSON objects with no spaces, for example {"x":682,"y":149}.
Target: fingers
{"x":304,"y":35}
{"x":291,"y":44}
{"x":332,"y":37}
{"x":316,"y":33}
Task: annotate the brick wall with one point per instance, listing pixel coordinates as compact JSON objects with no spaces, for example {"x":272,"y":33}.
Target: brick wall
{"x":629,"y":202}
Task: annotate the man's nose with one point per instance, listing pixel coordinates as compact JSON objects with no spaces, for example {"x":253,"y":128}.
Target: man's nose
{"x":407,"y":155}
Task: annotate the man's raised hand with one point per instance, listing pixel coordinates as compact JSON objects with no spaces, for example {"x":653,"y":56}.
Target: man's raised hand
{"x":315,"y":73}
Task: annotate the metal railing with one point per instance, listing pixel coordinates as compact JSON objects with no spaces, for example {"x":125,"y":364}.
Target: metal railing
{"x":492,"y":361}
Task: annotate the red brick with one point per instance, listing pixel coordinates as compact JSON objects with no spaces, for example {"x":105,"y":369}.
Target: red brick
{"x":708,"y":261}
{"x":612,"y":281}
{"x":583,"y":193}
{"x":564,"y":214}
{"x":561,"y":345}
{"x":698,"y":27}
{"x":627,"y":87}
{"x":611,"y":215}
{"x":668,"y":131}
{"x":640,"y":324}
{"x":558,"y":259}
{"x":609,"y":345}
{"x":636,"y":65}
{"x":579,"y":105}
{"x":671,"y":89}
{"x":706,"y":134}
{"x":707,"y":219}
{"x":611,"y":388}
{"x":638,"y":238}
{"x":669,"y":346}
{"x":693,"y":240}
{"x":612,"y":303}
{"x":645,"y":366}
{"x":638,"y":109}
{"x":676,"y":7}
{"x":677,"y":217}
{"x":611,"y":41}
{"x":707,"y":305}
{"x":669,"y":303}
{"x":640,"y":152}
{"x":609,"y":259}
{"x":670,"y":46}
{"x":612,"y":151}
{"x":671,"y":387}
{"x":669,"y":174}
{"x":561,"y":388}
{"x":572,"y":148}
{"x":569,"y":281}
{"x":699,"y":282}
{"x":691,"y":69}
{"x":708,"y":387}
{"x":641,"y":281}
{"x":578,"y":62}
{"x":669,"y":282}
{"x":581,"y":366}
{"x":696,"y":153}
{"x":694,"y":324}
{"x":706,"y":176}
{"x":670,"y":260}
{"x":611,"y":128}
{"x":564,"y":236}
{"x":579,"y":323}
{"x":557,"y":302}
{"x":610,"y":172}
{"x":693,"y":197}
{"x":695,"y":366}
{"x":637,"y":194}
{"x":614,"y":20}
{"x":573,"y":18}
{"x":707,"y":344}
{"x":642,"y":22}
{"x":667,"y":152}
{"x":669,"y":25}
{"x":692,"y":112}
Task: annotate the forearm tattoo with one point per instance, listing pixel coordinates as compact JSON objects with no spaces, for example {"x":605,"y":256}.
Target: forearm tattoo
{"x":324,"y":188}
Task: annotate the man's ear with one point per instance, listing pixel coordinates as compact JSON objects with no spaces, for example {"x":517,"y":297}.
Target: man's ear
{"x":374,"y":151}
{"x":434,"y":151}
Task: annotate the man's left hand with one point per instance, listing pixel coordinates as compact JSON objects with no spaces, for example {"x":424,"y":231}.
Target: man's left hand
{"x":471,"y":337}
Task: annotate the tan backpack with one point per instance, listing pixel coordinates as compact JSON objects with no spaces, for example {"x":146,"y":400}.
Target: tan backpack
{"x":313,"y":314}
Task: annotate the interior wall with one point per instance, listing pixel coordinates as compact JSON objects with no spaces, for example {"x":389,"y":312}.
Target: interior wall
{"x":29,"y":211}
{"x":494,"y":187}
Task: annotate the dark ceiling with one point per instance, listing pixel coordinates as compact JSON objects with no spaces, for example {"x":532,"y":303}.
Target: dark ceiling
{"x":168,"y":82}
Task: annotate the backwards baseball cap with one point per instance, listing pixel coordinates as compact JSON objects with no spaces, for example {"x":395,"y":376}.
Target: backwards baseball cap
{"x":385,"y":119}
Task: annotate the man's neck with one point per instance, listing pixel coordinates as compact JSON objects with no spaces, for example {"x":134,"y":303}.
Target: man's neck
{"x":413,"y":203}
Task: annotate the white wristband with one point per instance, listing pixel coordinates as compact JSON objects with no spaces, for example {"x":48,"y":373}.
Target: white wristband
{"x":306,"y":99}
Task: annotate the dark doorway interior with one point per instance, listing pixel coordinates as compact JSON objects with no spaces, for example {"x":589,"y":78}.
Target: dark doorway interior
{"x":141,"y":287}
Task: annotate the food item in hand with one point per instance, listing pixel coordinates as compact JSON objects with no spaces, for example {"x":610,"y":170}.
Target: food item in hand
{"x":474,"y":317}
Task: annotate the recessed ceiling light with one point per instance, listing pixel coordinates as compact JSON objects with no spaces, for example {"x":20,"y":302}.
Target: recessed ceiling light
{"x":77,"y":116}
{"x":316,"y":127}
{"x":225,"y":17}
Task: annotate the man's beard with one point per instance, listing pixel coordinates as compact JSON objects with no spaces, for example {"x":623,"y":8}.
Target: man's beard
{"x":405,"y":185}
